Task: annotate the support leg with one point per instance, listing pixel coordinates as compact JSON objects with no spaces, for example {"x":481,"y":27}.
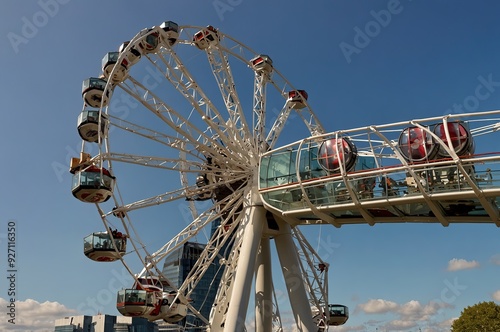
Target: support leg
{"x":297,"y":294}
{"x":263,"y":288}
{"x":236,"y":314}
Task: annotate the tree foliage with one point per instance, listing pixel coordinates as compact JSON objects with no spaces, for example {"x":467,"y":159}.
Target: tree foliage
{"x":481,"y":317}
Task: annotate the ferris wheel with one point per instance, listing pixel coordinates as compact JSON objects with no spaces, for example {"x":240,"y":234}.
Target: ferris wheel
{"x":195,"y":102}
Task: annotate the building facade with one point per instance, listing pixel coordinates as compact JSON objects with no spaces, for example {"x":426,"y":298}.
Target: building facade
{"x":104,"y":323}
{"x":177,"y":267}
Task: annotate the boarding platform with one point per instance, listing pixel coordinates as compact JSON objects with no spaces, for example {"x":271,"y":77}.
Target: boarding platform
{"x":437,"y":170}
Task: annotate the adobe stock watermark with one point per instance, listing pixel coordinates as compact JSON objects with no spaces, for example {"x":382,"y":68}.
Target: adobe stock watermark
{"x":275,"y":115}
{"x":30,"y":26}
{"x":186,"y":213}
{"x":327,"y":248}
{"x":452,"y":290}
{"x":106,"y":296}
{"x":486,"y":87}
{"x":223,"y":6}
{"x":12,"y":271}
{"x":364,"y":36}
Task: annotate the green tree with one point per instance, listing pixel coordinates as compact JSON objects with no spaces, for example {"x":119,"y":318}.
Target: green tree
{"x":481,"y":317}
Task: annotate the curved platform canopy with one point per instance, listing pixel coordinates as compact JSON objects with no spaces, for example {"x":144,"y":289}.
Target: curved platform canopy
{"x":443,"y":170}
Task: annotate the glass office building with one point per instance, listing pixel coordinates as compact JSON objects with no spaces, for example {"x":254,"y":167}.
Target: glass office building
{"x":177,"y":267}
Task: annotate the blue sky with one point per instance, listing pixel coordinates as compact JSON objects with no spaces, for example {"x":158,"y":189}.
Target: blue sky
{"x":361,"y":63}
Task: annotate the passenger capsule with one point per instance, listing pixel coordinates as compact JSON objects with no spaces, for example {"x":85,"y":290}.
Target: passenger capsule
{"x":92,"y":92}
{"x":339,"y":314}
{"x":172,"y":310}
{"x":149,"y":300}
{"x":132,"y":55}
{"x":460,"y":138}
{"x":91,"y":124}
{"x":206,"y":37}
{"x":93,"y":185}
{"x":149,"y":283}
{"x":100,"y":247}
{"x":297,"y":98}
{"x":262,"y":63}
{"x":149,"y":42}
{"x":416,"y":144}
{"x":334,"y":153}
{"x":133,"y":302}
{"x":151,"y":305}
{"x":109,"y":63}
{"x":170,"y":32}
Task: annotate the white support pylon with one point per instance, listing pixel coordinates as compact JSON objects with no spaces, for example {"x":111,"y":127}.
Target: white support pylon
{"x":263,"y":288}
{"x":290,"y":266}
{"x":236,"y":314}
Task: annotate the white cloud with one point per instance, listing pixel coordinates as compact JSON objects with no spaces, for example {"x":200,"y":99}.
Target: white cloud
{"x":461,"y":264}
{"x":378,"y":306}
{"x":496,"y":296}
{"x":414,"y":311}
{"x":399,"y":325}
{"x":31,"y":315}
{"x":411,"y":308}
{"x":408,"y":315}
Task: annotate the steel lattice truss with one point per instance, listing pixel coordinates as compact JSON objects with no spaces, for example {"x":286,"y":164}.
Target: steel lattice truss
{"x":195,"y":102}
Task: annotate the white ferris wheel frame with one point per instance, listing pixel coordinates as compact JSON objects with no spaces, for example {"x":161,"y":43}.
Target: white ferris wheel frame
{"x":226,"y":135}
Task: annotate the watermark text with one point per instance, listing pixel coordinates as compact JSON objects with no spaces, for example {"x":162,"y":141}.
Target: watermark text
{"x":11,"y":271}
